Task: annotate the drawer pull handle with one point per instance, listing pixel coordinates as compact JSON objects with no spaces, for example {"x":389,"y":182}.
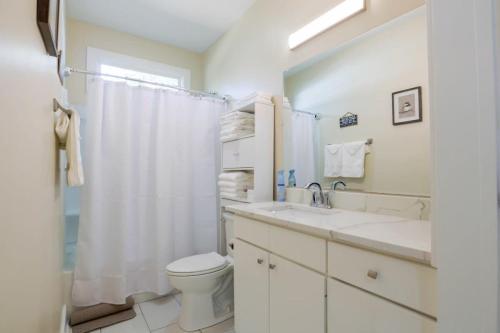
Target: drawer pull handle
{"x":260,"y":261}
{"x":372,"y":274}
{"x":236,"y":153}
{"x":272,"y":266}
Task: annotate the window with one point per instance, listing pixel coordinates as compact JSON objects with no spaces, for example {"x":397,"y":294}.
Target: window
{"x":136,"y":68}
{"x":113,"y":70}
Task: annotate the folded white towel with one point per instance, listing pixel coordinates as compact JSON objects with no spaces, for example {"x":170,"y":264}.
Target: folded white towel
{"x":232,"y":190}
{"x":237,"y":115}
{"x":233,"y":184}
{"x":333,"y":160}
{"x":237,"y":122}
{"x":236,"y":176}
{"x":68,"y":134}
{"x":236,"y":130}
{"x":233,"y":195}
{"x":236,"y":135}
{"x":353,"y":160}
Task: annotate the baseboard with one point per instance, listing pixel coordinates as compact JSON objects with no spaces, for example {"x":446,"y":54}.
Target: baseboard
{"x":64,"y":320}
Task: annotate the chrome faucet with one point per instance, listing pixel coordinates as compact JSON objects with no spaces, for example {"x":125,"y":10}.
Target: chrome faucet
{"x":337,"y":183}
{"x":318,"y":199}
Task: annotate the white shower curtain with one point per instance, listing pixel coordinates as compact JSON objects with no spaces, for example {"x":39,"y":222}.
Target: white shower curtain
{"x":151,"y":162}
{"x":304,"y":137}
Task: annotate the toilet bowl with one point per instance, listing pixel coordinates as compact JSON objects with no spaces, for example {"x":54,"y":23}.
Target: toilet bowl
{"x":206,"y":284}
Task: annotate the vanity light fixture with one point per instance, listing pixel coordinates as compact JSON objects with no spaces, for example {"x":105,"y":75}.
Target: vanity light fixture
{"x":339,"y":13}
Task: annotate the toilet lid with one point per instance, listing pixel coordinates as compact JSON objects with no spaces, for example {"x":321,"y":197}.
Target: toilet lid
{"x":198,"y":264}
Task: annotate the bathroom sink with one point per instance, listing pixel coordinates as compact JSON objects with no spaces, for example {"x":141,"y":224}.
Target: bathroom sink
{"x":310,"y":216}
{"x":296,"y":209}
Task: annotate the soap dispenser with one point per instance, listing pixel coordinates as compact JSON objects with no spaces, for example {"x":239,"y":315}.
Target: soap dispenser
{"x":280,"y":190}
{"x":292,"y":182}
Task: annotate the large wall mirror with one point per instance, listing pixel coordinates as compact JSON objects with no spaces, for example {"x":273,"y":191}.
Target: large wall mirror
{"x":377,"y":84}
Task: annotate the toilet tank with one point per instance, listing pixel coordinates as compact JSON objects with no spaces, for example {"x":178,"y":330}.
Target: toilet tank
{"x":228,"y":224}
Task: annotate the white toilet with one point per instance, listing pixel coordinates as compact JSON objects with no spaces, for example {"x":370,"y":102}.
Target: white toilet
{"x":206,"y":283}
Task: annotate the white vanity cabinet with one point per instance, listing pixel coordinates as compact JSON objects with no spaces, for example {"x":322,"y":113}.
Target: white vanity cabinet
{"x":274,"y":294}
{"x":287,"y":281}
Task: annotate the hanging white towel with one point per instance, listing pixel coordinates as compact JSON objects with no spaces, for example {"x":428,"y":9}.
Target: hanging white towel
{"x":62,"y":125}
{"x":333,"y":160}
{"x":68,"y":134}
{"x":353,"y":159}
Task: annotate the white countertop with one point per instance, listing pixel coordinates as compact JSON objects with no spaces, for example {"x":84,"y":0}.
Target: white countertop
{"x":393,"y":235}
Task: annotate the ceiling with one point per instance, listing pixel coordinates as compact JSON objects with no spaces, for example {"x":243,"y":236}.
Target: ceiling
{"x":189,"y":24}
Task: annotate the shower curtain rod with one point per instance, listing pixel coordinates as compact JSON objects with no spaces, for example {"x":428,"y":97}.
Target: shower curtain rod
{"x":69,"y":70}
{"x":317,"y":116}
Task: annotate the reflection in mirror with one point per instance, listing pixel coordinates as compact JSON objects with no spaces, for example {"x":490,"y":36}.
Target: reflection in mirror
{"x":334,"y":104}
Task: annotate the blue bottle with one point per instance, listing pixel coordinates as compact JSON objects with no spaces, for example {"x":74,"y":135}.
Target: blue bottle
{"x":281,"y":191}
{"x":292,"y":182}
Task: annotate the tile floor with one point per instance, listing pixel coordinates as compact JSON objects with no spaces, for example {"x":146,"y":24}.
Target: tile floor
{"x":160,"y":316}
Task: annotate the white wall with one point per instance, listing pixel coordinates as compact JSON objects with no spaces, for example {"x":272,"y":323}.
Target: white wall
{"x":464,"y":131}
{"x":254,"y":53}
{"x":82,"y":35}
{"x":30,"y":197}
{"x":360,"y":77}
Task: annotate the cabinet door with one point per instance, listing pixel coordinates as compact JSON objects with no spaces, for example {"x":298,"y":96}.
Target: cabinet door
{"x":296,"y":298}
{"x":351,"y":310}
{"x":238,"y":154}
{"x":251,"y":288}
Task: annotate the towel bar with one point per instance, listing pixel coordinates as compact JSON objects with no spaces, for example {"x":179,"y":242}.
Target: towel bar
{"x":368,"y":142}
{"x":57,"y":106}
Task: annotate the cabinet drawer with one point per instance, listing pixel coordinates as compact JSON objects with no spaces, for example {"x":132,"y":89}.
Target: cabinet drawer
{"x":401,"y":281}
{"x":351,"y":310}
{"x":238,"y":153}
{"x":251,"y":231}
{"x":303,"y":249}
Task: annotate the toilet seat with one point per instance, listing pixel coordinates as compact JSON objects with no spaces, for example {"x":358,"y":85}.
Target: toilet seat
{"x":197,"y":265}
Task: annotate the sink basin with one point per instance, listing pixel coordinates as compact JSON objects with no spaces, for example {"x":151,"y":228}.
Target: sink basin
{"x":295,"y":209}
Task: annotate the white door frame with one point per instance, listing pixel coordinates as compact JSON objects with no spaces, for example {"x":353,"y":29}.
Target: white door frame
{"x":464,"y":107}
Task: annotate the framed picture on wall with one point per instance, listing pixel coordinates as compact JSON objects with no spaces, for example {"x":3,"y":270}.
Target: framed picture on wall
{"x":47,"y":19}
{"x":407,"y":106}
{"x":61,"y":41}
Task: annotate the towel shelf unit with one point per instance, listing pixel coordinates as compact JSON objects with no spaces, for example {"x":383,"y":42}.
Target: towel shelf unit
{"x":255,"y":152}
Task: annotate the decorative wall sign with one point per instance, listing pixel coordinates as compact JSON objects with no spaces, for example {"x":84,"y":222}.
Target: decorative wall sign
{"x":407,"y":106}
{"x":349,"y":119}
